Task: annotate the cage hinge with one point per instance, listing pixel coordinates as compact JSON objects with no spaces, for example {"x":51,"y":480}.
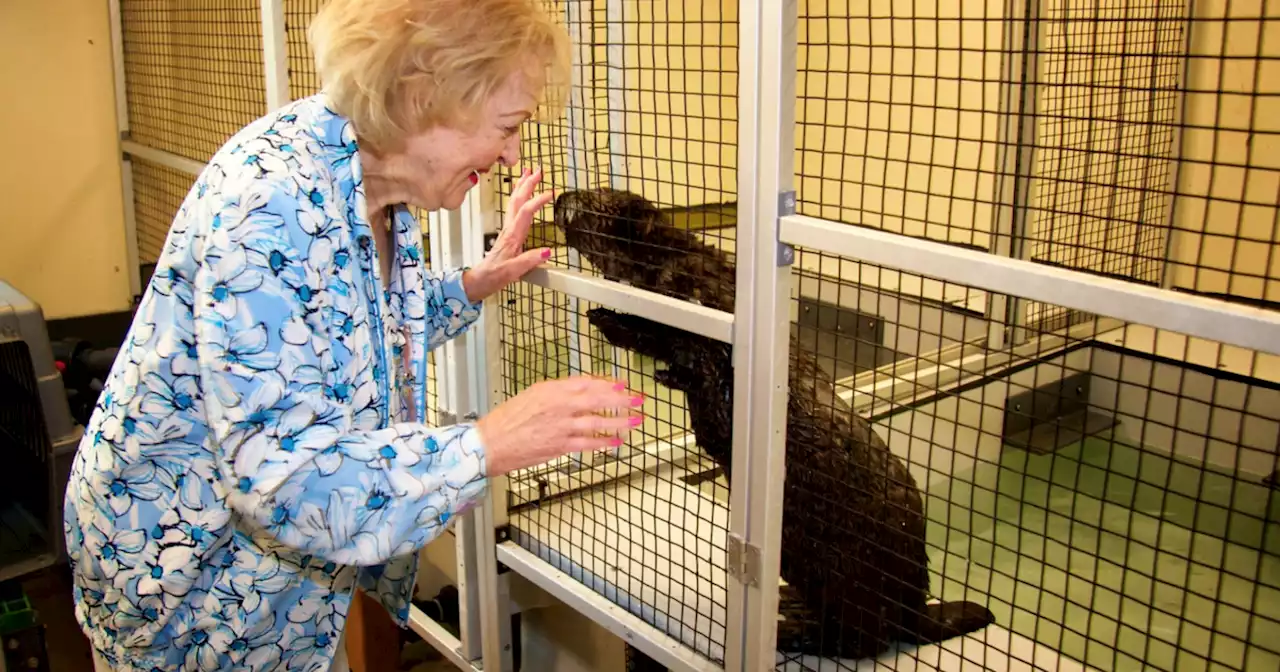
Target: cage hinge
{"x":786,"y":207}
{"x":744,"y":561}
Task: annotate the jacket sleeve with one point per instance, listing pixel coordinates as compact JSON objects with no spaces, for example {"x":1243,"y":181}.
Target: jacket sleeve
{"x":449,"y":312}
{"x":281,"y":419}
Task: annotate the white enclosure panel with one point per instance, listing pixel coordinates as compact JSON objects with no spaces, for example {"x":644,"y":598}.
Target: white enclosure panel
{"x":961,"y":430}
{"x":1230,"y":422}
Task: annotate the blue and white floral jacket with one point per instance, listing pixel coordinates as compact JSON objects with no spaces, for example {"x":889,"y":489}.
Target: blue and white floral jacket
{"x":258,"y":449}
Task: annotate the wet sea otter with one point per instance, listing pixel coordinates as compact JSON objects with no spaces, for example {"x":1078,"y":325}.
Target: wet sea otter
{"x":853,"y":550}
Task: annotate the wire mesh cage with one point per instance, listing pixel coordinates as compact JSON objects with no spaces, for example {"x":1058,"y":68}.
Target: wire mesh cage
{"x":1091,"y":136}
{"x":1106,"y":489}
{"x":1068,"y":462}
{"x":1099,"y":484}
{"x":193,"y":75}
{"x":650,"y":121}
{"x":1123,"y":139}
{"x":158,"y":192}
{"x":645,"y":524}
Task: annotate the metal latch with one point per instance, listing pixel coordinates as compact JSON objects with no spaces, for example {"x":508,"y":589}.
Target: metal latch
{"x":744,"y":561}
{"x":449,"y":418}
{"x":786,"y":207}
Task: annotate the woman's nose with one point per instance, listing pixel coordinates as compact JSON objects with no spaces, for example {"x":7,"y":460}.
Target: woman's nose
{"x":511,"y":153}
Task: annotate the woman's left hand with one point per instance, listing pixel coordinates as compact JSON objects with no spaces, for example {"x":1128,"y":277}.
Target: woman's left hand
{"x":507,"y":261}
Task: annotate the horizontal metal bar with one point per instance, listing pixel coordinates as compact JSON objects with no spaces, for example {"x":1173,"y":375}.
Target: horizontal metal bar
{"x":443,"y":641}
{"x":167,"y":159}
{"x":656,"y":644}
{"x":872,"y":392}
{"x":1215,"y":320}
{"x":690,"y":317}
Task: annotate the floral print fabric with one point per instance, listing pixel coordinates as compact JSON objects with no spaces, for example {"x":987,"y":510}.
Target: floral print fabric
{"x":257,"y":451}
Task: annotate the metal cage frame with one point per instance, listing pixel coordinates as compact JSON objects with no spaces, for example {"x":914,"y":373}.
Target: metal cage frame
{"x":768,"y":228}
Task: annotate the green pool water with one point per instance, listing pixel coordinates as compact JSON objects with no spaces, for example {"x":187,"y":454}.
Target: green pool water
{"x":1116,"y":556}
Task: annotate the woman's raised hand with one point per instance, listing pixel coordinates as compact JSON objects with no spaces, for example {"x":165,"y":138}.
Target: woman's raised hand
{"x":557,"y":417}
{"x":507,"y":261}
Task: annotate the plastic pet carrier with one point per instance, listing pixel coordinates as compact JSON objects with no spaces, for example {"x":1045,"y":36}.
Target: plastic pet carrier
{"x":38,"y":438}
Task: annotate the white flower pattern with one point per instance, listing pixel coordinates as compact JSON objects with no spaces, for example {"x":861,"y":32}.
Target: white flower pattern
{"x":251,"y":459}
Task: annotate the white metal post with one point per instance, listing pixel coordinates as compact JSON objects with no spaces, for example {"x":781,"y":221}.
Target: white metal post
{"x":1019,"y":126}
{"x":454,"y":399}
{"x":442,"y":256}
{"x":126,"y":166}
{"x":275,"y":54}
{"x":767,"y":75}
{"x":482,"y":355}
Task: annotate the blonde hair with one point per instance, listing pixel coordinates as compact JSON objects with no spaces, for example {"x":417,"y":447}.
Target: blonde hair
{"x":396,"y":67}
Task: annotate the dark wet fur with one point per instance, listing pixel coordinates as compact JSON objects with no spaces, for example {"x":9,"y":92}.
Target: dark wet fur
{"x":853,"y":550}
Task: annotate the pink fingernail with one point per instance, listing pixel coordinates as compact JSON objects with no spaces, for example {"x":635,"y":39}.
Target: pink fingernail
{"x":620,"y":386}
{"x":637,"y":401}
{"x":637,"y":420}
{"x":615,"y":442}
{"x":546,"y":254}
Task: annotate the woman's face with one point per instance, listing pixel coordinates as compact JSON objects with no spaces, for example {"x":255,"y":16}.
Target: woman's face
{"x":445,"y":163}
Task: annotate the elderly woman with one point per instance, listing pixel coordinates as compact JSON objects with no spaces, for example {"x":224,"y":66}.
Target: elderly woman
{"x":259,"y":450}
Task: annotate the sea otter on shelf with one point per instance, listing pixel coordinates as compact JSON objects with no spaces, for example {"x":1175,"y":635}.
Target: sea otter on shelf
{"x":853,"y":549}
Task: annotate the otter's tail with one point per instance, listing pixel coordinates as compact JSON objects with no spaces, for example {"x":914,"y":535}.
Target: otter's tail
{"x":941,"y":622}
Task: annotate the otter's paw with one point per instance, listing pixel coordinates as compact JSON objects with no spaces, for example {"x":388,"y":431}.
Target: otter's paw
{"x":672,"y":379}
{"x":611,"y":325}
